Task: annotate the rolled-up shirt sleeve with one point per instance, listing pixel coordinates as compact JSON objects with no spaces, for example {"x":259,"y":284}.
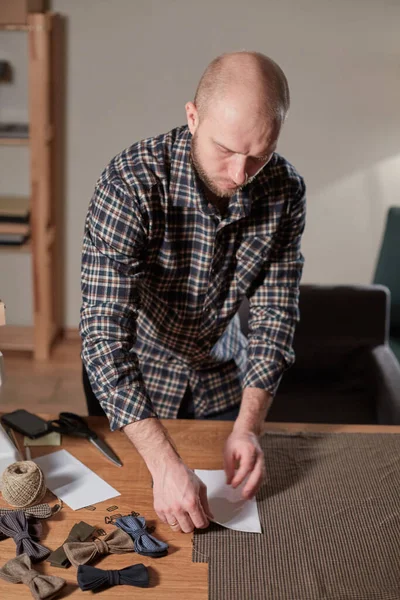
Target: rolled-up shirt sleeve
{"x":273,"y":305}
{"x":112,"y":268}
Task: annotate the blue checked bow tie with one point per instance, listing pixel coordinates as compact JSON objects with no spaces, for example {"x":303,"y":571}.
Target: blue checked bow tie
{"x":145,"y":544}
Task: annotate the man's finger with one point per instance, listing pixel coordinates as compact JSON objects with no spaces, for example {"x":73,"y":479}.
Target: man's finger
{"x":162,"y":517}
{"x":254,"y":481}
{"x":229,"y":466}
{"x":204,"y":502}
{"x":173,"y":523}
{"x":199,"y":517}
{"x":185,"y":522}
{"x":246,"y":466}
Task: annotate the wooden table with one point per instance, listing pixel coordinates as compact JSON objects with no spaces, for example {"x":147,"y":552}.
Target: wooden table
{"x":173,"y":577}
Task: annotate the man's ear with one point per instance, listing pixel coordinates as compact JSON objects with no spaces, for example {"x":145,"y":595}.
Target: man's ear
{"x":192,"y":116}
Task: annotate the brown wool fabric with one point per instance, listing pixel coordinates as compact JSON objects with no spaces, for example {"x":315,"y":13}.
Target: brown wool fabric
{"x":18,"y":570}
{"x":82,"y":553}
{"x":80,"y":532}
{"x":23,"y":484}
{"x":330,"y":519}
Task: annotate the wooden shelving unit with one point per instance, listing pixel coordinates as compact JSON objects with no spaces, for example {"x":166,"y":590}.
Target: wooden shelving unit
{"x":14,"y":141}
{"x":46,"y":97}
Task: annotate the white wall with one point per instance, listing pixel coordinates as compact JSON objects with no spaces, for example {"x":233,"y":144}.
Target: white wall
{"x":132,"y":65}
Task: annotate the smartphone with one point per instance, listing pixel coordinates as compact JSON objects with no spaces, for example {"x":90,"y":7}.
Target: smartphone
{"x":26,"y":423}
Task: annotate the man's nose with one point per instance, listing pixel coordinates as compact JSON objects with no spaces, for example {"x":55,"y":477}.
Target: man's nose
{"x":238,"y":170}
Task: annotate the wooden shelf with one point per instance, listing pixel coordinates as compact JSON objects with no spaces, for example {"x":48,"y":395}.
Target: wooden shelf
{"x":27,"y":247}
{"x":14,"y":249}
{"x":14,"y":337}
{"x":46,"y":68}
{"x":14,"y":141}
{"x":21,"y":27}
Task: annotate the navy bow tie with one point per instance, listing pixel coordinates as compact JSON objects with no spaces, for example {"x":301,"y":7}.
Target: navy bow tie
{"x":91,"y":578}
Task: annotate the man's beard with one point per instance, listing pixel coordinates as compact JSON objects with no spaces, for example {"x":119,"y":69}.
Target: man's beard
{"x":206,"y":180}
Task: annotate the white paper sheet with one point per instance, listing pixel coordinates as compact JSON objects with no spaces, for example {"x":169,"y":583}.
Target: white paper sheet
{"x":72,"y":481}
{"x":227,"y":505}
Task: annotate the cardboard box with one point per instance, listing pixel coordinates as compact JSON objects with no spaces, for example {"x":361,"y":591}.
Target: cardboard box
{"x":15,"y":12}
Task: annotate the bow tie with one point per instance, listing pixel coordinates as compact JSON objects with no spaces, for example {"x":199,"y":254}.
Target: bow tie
{"x":116,"y":542}
{"x":39,"y":511}
{"x":34,"y":529}
{"x":80,"y":532}
{"x":18,"y":570}
{"x":91,"y":578}
{"x":145,"y":544}
{"x":15,"y":525}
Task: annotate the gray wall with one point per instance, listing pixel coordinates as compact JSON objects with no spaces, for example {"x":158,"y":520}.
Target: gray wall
{"x":132,"y":65}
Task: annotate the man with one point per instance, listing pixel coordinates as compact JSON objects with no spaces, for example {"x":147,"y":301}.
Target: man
{"x":180,"y":229}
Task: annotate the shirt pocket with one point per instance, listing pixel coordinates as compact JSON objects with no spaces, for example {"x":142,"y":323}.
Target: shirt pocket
{"x":251,"y":259}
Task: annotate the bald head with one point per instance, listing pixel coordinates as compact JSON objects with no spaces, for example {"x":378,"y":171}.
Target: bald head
{"x":248,"y":76}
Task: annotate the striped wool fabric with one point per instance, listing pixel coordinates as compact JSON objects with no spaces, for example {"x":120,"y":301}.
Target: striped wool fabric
{"x":330,"y":514}
{"x":163,"y":275}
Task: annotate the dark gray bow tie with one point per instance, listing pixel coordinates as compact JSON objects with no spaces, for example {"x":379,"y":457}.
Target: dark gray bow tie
{"x":15,"y":525}
{"x":91,"y":578}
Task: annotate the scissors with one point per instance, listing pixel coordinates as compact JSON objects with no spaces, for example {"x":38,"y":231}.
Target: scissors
{"x":73,"y":425}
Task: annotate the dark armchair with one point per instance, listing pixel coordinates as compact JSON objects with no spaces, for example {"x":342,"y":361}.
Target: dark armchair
{"x":387,"y":273}
{"x":345,"y":371}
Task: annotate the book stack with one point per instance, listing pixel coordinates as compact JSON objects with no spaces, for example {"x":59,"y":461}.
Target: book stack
{"x":14,"y":220}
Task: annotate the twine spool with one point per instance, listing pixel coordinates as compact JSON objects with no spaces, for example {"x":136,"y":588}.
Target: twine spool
{"x":23,"y":484}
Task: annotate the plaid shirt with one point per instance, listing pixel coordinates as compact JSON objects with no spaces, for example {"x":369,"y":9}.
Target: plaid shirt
{"x":163,"y":276}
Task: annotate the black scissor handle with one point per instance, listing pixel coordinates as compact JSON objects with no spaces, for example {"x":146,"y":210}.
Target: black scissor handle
{"x":72,"y":424}
{"x":73,"y":418}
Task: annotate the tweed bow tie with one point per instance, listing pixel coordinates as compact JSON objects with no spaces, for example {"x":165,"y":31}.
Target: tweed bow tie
{"x":145,"y":544}
{"x":80,"y":532}
{"x":15,"y":525}
{"x":81,"y":553}
{"x":39,"y":511}
{"x":90,"y":578}
{"x":18,"y":570}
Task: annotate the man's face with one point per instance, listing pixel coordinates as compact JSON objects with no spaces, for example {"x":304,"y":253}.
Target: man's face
{"x":228,"y":150}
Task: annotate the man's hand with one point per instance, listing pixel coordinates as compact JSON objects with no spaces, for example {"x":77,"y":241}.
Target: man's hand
{"x":180,"y":497}
{"x":243,"y":447}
